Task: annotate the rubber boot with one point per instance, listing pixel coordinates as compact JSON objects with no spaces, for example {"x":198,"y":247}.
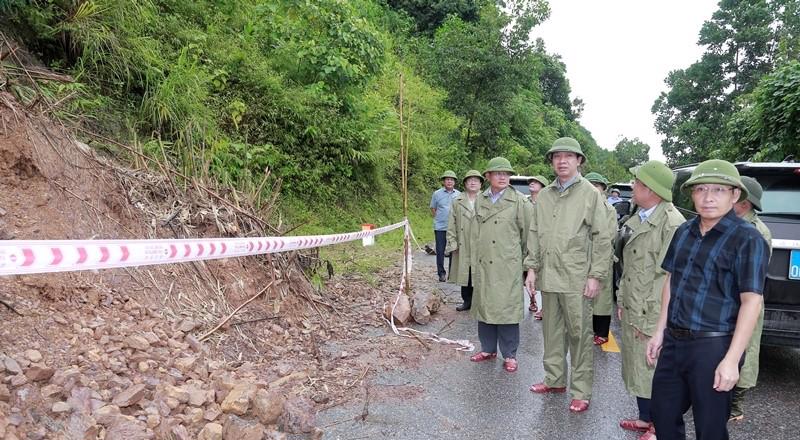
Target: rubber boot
{"x":737,"y":404}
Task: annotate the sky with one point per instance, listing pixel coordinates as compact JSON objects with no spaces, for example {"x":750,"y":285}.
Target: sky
{"x":618,"y":53}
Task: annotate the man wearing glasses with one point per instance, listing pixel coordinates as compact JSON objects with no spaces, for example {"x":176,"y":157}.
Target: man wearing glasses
{"x":716,"y":264}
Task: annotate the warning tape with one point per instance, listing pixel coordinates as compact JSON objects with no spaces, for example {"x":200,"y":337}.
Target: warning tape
{"x":19,"y":257}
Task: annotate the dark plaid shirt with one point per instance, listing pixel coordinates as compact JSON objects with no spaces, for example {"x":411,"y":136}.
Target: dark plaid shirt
{"x":710,"y":272}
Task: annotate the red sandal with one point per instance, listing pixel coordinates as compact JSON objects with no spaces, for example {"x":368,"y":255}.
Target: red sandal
{"x":650,"y":434}
{"x":633,"y":425}
{"x":538,"y":315}
{"x":578,"y":406}
{"x":599,"y":340}
{"x":510,"y":365}
{"x":541,"y":388}
{"x":480,"y":357}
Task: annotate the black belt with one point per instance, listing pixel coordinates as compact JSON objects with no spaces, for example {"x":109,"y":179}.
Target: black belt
{"x":684,"y":333}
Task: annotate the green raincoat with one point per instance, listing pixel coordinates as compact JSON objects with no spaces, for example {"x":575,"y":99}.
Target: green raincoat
{"x":462,"y":232}
{"x":499,"y":250}
{"x":566,"y":252}
{"x":603,"y":304}
{"x":639,"y":293}
{"x":749,"y":374}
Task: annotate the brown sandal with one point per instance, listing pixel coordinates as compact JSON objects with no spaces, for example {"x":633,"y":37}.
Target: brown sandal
{"x":578,"y":406}
{"x":542,"y":388}
{"x":633,"y":425}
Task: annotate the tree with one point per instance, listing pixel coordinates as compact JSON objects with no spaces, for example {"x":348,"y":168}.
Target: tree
{"x":743,"y":40}
{"x":428,"y":15}
{"x":631,"y":152}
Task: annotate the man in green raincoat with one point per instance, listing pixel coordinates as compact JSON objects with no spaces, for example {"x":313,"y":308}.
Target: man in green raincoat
{"x":647,"y":235}
{"x":746,"y":209}
{"x":569,"y":246}
{"x":503,"y":215}
{"x":462,"y":232}
{"x":603,"y":304}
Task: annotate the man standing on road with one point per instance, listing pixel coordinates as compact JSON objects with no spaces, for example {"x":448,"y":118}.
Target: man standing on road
{"x":503,"y":216}
{"x":603,"y":304}
{"x":716,"y":264}
{"x":462,"y":232}
{"x":746,"y":210}
{"x":440,"y":209}
{"x":639,"y":296}
{"x":569,"y":246}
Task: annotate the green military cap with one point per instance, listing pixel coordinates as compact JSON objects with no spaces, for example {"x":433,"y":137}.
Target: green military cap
{"x":754,"y":191}
{"x":472,"y":173}
{"x":656,"y":176}
{"x":541,"y":179}
{"x":566,"y":144}
{"x":499,"y":164}
{"x":716,"y":171}
{"x":448,"y":173}
{"x":597,"y":178}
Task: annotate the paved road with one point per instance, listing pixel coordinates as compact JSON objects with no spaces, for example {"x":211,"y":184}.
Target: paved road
{"x":464,"y":400}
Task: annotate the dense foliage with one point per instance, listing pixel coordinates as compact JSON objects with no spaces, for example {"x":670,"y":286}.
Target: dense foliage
{"x":309,"y":89}
{"x":740,"y":101}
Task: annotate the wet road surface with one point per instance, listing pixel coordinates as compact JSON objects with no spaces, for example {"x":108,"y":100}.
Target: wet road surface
{"x":459,"y":399}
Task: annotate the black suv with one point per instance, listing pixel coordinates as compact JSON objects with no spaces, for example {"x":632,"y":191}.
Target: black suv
{"x":781,"y":214}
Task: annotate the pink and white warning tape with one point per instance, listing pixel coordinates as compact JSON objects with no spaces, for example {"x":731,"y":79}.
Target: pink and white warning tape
{"x":19,"y":257}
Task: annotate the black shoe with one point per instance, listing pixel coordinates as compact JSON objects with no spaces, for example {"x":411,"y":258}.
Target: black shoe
{"x":463,"y":307}
{"x":443,"y":278}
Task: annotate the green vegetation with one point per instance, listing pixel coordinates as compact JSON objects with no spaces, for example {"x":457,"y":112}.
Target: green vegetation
{"x":741,"y":100}
{"x":309,"y":90}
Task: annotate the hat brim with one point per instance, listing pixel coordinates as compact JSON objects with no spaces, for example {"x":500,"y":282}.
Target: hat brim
{"x":475,"y":176}
{"x":550,"y":152}
{"x":502,"y":169}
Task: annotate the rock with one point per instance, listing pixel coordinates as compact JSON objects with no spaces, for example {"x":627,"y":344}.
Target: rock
{"x":424,"y":304}
{"x":39,"y":372}
{"x":130,"y":396}
{"x":18,"y":380}
{"x":61,"y":407}
{"x":81,"y":427}
{"x":212,"y":431}
{"x":51,"y":390}
{"x":238,"y":400}
{"x":402,"y":311}
{"x":61,"y":377}
{"x":240,"y":429}
{"x":153,"y":420}
{"x":187,"y":325}
{"x":178,"y":393}
{"x":181,"y":433}
{"x":185,"y":364}
{"x":274,"y":435}
{"x":12,"y":366}
{"x":268,"y":406}
{"x":212,"y":412}
{"x":128,"y":428}
{"x":194,"y":415}
{"x":5,"y":394}
{"x":33,"y":355}
{"x":107,"y":415}
{"x":137,"y":342}
{"x":298,"y":416}
{"x":197,"y":397}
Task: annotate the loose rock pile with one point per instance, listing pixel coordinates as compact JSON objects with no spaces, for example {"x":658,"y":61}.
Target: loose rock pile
{"x":143,"y":378}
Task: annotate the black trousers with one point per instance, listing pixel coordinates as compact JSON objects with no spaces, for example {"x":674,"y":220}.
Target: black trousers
{"x":504,"y":336}
{"x":684,"y":378}
{"x":441,"y":243}
{"x":601,"y":325}
{"x":466,"y":291}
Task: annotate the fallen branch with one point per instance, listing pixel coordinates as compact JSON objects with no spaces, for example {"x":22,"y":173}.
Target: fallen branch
{"x":359,"y":377}
{"x":202,"y":338}
{"x":10,"y":307}
{"x":284,"y":379}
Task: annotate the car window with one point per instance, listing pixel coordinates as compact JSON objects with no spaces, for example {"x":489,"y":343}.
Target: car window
{"x":781,"y":195}
{"x":520,"y":185}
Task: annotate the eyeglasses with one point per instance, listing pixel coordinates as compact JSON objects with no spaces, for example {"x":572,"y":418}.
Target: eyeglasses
{"x":713,"y":191}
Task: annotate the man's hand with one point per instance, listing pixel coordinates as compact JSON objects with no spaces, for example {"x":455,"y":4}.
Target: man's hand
{"x":619,"y":313}
{"x":726,"y":375}
{"x":592,"y":288}
{"x":530,"y":281}
{"x":654,"y":347}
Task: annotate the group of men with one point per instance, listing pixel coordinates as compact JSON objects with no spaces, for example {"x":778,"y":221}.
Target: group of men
{"x":689,"y":296}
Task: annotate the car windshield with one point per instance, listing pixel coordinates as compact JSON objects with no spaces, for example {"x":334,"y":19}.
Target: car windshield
{"x":781,"y":195}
